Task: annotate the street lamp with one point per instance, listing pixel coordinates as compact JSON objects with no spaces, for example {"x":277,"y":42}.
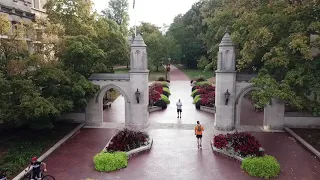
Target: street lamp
{"x":227,"y":96}
{"x":137,"y":93}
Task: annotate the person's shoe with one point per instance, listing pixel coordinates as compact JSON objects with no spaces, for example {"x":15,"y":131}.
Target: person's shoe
{"x":178,"y":117}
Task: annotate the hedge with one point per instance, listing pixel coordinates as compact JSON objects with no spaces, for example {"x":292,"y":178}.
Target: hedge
{"x":264,"y":167}
{"x":106,"y":162}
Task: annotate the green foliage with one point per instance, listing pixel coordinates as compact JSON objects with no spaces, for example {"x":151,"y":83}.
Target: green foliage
{"x":264,"y":167}
{"x":118,"y":11}
{"x":186,"y":30}
{"x":107,"y":162}
{"x":277,"y":39}
{"x":18,"y":147}
{"x":165,"y":99}
{"x":196,"y":99}
{"x":165,"y":89}
{"x":194,"y":92}
{"x":202,"y":63}
{"x":163,"y":83}
{"x":203,"y":83}
{"x":80,"y":54}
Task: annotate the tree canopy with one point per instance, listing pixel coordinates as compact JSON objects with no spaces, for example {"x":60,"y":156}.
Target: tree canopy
{"x":44,"y":65}
{"x":277,"y":39}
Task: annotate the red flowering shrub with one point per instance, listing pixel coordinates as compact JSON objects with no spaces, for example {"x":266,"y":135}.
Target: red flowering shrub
{"x":127,"y":140}
{"x":154,"y":95}
{"x":244,"y":144}
{"x":220,"y":141}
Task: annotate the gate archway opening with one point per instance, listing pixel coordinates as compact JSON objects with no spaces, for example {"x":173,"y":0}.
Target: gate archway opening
{"x":114,"y":104}
{"x":248,"y":112}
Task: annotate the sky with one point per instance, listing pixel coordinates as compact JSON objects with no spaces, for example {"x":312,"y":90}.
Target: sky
{"x":157,"y":12}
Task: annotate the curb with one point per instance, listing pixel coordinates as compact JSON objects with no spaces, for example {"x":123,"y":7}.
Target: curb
{"x":303,"y":142}
{"x":238,"y":158}
{"x":51,"y":150}
{"x":139,"y":150}
{"x":133,"y":152}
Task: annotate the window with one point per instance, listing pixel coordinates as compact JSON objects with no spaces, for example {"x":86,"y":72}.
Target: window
{"x":36,"y":4}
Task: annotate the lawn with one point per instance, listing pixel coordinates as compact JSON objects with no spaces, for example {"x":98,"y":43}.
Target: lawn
{"x":18,"y":146}
{"x":153,"y":75}
{"x":194,"y":73}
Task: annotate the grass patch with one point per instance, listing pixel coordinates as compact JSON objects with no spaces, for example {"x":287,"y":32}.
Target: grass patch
{"x":194,"y":73}
{"x":153,"y":75}
{"x":19,"y":145}
{"x":107,"y":162}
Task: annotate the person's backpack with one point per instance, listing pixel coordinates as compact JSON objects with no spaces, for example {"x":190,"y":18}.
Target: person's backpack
{"x":199,"y":127}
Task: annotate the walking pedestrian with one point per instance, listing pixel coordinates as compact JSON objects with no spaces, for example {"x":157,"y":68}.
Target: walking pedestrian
{"x":179,"y":108}
{"x":198,"y":132}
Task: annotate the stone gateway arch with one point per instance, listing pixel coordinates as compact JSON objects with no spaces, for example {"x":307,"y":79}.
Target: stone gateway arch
{"x":136,"y":111}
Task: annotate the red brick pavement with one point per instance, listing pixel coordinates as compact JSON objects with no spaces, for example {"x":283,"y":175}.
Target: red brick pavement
{"x":174,"y":154}
{"x":177,"y":75}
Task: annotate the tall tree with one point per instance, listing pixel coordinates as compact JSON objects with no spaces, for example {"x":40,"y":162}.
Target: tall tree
{"x":118,"y":11}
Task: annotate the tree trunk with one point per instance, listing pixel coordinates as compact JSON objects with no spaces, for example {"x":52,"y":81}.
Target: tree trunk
{"x":157,"y":68}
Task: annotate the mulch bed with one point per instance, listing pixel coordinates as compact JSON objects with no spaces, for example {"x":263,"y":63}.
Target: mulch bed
{"x":19,"y":145}
{"x":312,"y":136}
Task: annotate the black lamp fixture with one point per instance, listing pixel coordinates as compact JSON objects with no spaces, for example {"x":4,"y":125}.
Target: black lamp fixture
{"x":227,"y":96}
{"x":137,"y":95}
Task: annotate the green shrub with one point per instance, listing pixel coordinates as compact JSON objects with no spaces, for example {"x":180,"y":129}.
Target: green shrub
{"x":263,"y":167}
{"x":167,"y":90}
{"x":106,"y":162}
{"x":165,"y":99}
{"x":202,"y":83}
{"x":163,"y":83}
{"x":194,"y":92}
{"x":196,"y":99}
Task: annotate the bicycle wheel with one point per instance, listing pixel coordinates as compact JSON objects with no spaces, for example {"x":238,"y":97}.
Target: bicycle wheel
{"x":48,"y":177}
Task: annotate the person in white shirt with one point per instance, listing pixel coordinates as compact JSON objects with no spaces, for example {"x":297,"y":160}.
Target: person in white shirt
{"x":179,"y":109}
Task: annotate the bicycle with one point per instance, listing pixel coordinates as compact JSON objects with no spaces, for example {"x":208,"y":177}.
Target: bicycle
{"x":43,"y":176}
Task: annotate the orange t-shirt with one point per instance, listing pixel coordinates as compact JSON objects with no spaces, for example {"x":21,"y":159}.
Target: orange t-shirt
{"x":197,"y":129}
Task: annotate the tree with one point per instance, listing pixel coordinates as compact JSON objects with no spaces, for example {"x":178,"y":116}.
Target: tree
{"x":273,"y":37}
{"x":118,"y":11}
{"x":81,"y":55}
{"x":186,"y":30}
{"x":75,"y":16}
{"x":35,"y":90}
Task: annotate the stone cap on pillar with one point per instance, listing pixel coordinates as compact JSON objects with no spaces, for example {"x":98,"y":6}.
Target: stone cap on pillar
{"x":138,"y":41}
{"x":226,"y":40}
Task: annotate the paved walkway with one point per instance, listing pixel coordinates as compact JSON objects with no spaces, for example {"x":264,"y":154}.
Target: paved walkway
{"x":174,"y":154}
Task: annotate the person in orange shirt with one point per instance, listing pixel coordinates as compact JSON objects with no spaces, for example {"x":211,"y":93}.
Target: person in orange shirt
{"x":198,"y":132}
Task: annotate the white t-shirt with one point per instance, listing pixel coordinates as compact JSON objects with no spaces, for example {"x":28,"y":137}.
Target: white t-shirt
{"x":179,"y":104}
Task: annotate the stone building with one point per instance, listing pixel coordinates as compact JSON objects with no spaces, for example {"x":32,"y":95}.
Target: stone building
{"x":22,"y":10}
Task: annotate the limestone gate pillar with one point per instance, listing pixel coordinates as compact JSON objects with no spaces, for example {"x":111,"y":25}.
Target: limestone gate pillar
{"x":139,"y":78}
{"x":225,"y":81}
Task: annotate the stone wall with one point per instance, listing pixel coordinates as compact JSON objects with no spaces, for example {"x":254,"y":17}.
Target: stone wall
{"x":297,"y":119}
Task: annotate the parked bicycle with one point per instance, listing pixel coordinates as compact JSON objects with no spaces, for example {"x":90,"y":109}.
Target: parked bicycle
{"x":42,"y":176}
{"x":3,"y":175}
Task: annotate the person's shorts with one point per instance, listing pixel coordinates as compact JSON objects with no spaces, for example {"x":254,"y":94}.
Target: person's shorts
{"x":199,"y":136}
{"x":179,"y":110}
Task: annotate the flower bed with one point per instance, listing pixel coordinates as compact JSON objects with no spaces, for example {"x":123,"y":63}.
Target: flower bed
{"x":120,"y":148}
{"x":159,"y":93}
{"x":203,"y":93}
{"x":247,"y":149}
{"x":126,"y":140}
{"x":241,"y":144}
